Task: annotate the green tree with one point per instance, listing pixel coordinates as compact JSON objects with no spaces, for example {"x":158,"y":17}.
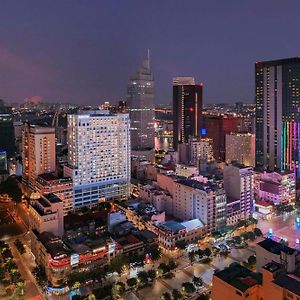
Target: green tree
{"x":191,"y":256}
{"x":118,"y":290}
{"x":207,"y":252}
{"x":197,"y":281}
{"x":203,"y":297}
{"x":257,"y":232}
{"x":180,"y":245}
{"x":11,"y":187}
{"x":92,"y":297}
{"x":131,"y":282}
{"x":177,"y":295}
{"x":163,"y":268}
{"x":251,"y":260}
{"x":151,"y":274}
{"x":153,"y":251}
{"x":119,"y":262}
{"x":188,"y":288}
{"x":172,"y":265}
{"x":76,"y":285}
{"x":166,"y":296}
{"x":142,"y":278}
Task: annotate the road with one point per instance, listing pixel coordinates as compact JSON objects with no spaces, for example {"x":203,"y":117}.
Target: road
{"x":25,"y":264}
{"x":282,"y":226}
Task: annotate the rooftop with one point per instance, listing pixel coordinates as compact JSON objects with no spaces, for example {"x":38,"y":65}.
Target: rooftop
{"x":54,"y":245}
{"x":172,"y":226}
{"x":275,"y":247}
{"x":239,"y":277}
{"x":290,"y":282}
{"x":206,"y":187}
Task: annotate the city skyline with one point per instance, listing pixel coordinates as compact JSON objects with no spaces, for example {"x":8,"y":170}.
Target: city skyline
{"x":59,"y":55}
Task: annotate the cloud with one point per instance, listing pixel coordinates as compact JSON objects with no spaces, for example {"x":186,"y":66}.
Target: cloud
{"x":19,"y":64}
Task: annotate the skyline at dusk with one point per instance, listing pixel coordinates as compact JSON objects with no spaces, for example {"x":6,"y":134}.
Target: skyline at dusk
{"x":73,"y":51}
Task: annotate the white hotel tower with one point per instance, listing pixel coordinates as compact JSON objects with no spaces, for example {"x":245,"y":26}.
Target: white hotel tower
{"x":98,"y":156}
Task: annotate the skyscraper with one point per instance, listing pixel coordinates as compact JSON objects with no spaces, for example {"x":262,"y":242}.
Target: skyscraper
{"x":38,"y":152}
{"x":140,"y":104}
{"x":278,"y":114}
{"x":98,"y":156}
{"x":187,"y":109}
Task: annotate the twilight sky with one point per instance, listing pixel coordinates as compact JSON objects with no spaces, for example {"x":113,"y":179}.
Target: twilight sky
{"x":84,"y":51}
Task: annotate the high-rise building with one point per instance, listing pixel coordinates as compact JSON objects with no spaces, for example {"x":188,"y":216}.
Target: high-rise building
{"x":187,"y":109}
{"x":7,"y":140}
{"x":38,"y":152}
{"x":216,"y":128}
{"x":239,"y":188}
{"x":3,"y":161}
{"x":240,"y":147}
{"x":278,"y":114}
{"x":140,"y":104}
{"x":98,"y":156}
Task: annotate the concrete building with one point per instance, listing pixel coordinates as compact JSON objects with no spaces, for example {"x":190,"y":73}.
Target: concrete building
{"x":160,"y":199}
{"x":269,"y":250}
{"x":62,"y":187}
{"x":204,"y":201}
{"x":46,"y":214}
{"x":38,"y":152}
{"x":186,"y":170}
{"x":140,"y":104}
{"x":276,"y":188}
{"x":98,"y":156}
{"x":170,"y":232}
{"x":273,"y":282}
{"x":240,"y":147}
{"x":239,"y":188}
{"x":235,"y":283}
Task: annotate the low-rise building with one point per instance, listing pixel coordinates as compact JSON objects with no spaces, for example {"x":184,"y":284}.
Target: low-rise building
{"x":46,"y":214}
{"x":276,"y":188}
{"x":172,"y":231}
{"x":269,"y":250}
{"x":48,"y":183}
{"x":235,"y":283}
{"x":186,"y":170}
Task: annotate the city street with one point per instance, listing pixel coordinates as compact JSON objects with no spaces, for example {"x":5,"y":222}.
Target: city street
{"x":25,"y":264}
{"x":282,"y":226}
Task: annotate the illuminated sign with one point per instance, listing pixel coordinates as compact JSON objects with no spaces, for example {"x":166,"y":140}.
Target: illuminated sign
{"x":111,"y":248}
{"x":74,"y":259}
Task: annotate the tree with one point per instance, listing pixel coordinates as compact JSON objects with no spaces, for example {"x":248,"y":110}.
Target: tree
{"x":166,"y":296}
{"x":203,"y":297}
{"x":180,"y":244}
{"x":251,"y":260}
{"x":188,"y":288}
{"x":142,"y":278}
{"x":11,"y":187}
{"x":172,"y":265}
{"x":257,"y":231}
{"x":118,"y":263}
{"x":197,"y":281}
{"x":118,"y":290}
{"x":191,"y":256}
{"x":177,"y":295}
{"x":163,"y":268}
{"x":251,"y":236}
{"x":92,"y":297}
{"x":207,"y":252}
{"x":131,"y":282}
{"x":199,"y":252}
{"x":76,"y":285}
{"x":237,"y":239}
{"x":154,"y":252}
{"x":151,"y":274}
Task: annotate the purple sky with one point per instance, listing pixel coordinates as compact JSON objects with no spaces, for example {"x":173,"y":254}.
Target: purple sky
{"x":84,"y":51}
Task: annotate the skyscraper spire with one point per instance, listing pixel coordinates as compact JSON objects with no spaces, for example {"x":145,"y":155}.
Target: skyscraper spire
{"x":148,"y":58}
